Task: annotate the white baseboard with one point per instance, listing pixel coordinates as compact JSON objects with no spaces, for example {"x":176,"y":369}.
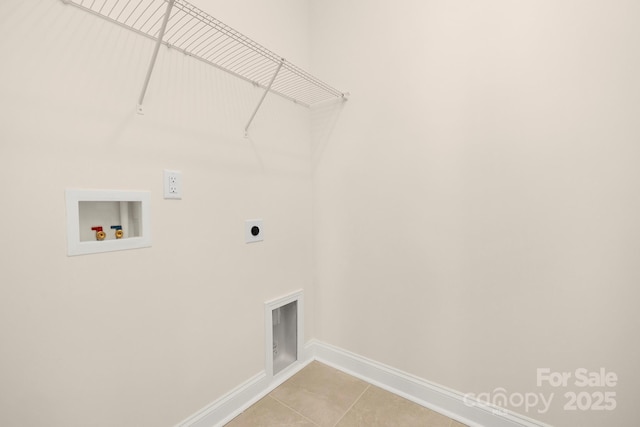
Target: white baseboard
{"x":229,"y":406}
{"x":433,"y":396}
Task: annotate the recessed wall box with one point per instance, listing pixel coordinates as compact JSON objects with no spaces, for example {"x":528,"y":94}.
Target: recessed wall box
{"x":284,"y":332}
{"x":125,"y":212}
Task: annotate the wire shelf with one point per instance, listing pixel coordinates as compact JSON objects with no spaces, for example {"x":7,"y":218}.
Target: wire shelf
{"x":200,"y":35}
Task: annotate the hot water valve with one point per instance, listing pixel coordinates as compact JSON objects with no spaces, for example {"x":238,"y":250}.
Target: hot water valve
{"x":100,"y":235}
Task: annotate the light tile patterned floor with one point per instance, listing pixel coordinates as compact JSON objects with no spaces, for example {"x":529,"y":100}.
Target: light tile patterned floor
{"x":321,"y":396}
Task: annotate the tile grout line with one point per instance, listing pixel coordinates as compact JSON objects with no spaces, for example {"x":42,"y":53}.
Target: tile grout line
{"x":293,"y":410}
{"x":352,"y":405}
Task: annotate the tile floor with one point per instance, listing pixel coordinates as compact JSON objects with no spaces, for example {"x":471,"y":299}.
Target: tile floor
{"x":321,"y":396}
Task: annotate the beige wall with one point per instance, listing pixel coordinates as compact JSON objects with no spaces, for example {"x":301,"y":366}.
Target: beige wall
{"x":143,"y":337}
{"x":476,"y":201}
{"x":473,"y":213}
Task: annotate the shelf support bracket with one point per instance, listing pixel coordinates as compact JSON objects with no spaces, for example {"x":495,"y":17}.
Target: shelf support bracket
{"x":163,"y":28}
{"x":264,"y":95}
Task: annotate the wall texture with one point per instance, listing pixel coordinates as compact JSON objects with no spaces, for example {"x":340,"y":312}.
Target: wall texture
{"x":476,"y":200}
{"x":474,"y":203}
{"x":143,"y":337}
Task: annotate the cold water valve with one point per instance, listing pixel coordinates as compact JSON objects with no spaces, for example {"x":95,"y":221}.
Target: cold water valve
{"x":100,"y":235}
{"x":119,"y":233}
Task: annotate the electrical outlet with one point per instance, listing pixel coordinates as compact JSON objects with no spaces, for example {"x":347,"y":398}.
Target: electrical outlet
{"x":172,"y":184}
{"x":253,"y":231}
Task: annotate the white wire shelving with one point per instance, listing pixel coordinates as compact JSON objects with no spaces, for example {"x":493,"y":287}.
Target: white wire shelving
{"x":182,"y":26}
